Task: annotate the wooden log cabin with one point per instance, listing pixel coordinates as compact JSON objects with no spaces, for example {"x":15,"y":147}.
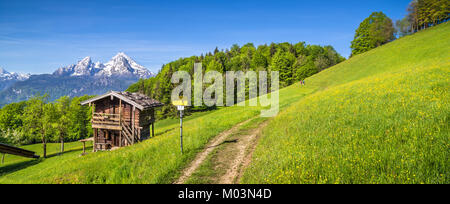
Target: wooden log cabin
{"x":121,"y":119}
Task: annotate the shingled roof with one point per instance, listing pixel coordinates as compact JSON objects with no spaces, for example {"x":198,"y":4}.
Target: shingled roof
{"x":141,"y":101}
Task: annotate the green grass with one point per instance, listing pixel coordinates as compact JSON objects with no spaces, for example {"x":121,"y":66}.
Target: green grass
{"x":386,"y":123}
{"x":347,"y":125}
{"x":14,"y":163}
{"x":53,"y":149}
{"x":217,"y":162}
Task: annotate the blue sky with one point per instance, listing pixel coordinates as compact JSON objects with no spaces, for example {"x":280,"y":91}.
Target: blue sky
{"x":40,"y":36}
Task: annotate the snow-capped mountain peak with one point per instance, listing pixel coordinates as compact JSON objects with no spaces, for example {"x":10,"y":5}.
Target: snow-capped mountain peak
{"x":83,"y":67}
{"x":120,"y":65}
{"x":125,"y":66}
{"x":85,"y":61}
{"x":8,"y":78}
{"x":5,"y":75}
{"x":21,"y":76}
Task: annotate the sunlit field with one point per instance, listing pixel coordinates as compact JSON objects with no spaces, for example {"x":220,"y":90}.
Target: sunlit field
{"x":388,"y":128}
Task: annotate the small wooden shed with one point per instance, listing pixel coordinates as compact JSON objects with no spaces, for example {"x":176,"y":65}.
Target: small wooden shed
{"x":8,"y":149}
{"x":121,"y":119}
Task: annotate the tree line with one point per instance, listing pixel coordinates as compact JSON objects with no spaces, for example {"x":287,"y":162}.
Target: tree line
{"x":378,"y":29}
{"x":294,"y":62}
{"x":423,"y":14}
{"x":39,"y":121}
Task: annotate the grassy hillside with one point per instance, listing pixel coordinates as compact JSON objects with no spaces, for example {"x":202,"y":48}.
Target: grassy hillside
{"x":390,"y":126}
{"x":157,"y":160}
{"x":53,"y":149}
{"x":338,"y":126}
{"x":54,"y":158}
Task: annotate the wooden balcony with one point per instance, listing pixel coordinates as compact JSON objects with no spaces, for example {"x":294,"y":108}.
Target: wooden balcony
{"x":106,"y":121}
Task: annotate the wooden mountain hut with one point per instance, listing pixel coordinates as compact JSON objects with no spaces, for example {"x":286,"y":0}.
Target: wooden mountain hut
{"x":121,"y":119}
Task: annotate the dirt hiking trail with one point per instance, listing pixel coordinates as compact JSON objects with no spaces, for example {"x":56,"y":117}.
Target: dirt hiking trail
{"x":234,"y":150}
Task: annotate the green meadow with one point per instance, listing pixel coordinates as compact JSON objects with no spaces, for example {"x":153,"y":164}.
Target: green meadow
{"x":13,"y":163}
{"x":379,"y":117}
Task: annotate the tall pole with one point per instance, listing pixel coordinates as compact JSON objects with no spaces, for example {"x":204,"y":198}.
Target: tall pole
{"x":181,"y":131}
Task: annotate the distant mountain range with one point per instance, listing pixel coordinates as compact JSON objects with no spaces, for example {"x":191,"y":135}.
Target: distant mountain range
{"x":82,"y":78}
{"x":9,"y":78}
{"x":120,"y":66}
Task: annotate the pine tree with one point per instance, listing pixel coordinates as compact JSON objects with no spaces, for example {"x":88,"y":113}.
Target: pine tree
{"x":216,"y":50}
